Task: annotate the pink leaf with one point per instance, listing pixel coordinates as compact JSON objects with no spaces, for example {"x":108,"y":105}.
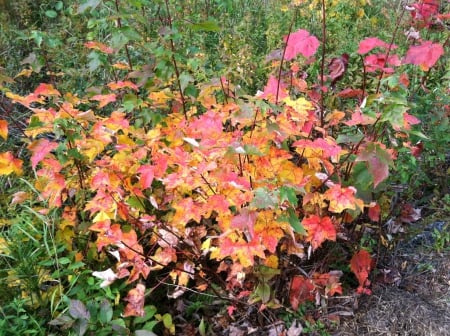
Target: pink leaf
{"x":270,"y":90}
{"x":300,"y":42}
{"x":147,"y":175}
{"x":40,"y":148}
{"x":424,"y":55}
{"x":371,"y":43}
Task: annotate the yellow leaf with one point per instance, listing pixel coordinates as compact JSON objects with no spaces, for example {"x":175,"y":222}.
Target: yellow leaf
{"x":9,"y":164}
{"x":101,"y":216}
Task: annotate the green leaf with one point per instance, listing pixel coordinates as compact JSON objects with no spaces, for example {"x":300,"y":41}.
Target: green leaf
{"x":144,"y":333}
{"x":265,"y":273}
{"x":150,"y":311}
{"x":208,"y":25}
{"x":264,"y":199}
{"x":88,"y":4}
{"x":51,"y":14}
{"x":288,"y":194}
{"x":202,"y":328}
{"x":130,"y":34}
{"x":293,"y":220}
{"x":64,"y":260}
{"x":136,"y":203}
{"x":263,"y":292}
{"x":59,"y":5}
{"x":167,"y":320}
{"x":118,"y":40}
{"x":106,"y":312}
{"x":252,"y":150}
{"x":185,"y":79}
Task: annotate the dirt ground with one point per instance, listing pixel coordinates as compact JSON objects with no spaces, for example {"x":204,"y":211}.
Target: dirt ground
{"x":411,"y":296}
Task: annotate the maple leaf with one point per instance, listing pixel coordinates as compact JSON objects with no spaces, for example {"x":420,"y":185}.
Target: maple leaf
{"x":425,"y":55}
{"x":9,"y":164}
{"x":104,"y":99}
{"x":337,"y":68}
{"x":3,"y":129}
{"x":39,"y":149}
{"x":319,"y":229}
{"x":301,"y":290}
{"x":361,"y":264}
{"x":241,"y":251}
{"x":107,"y":276}
{"x":329,"y":282}
{"x":270,"y":90}
{"x":147,"y":174}
{"x":136,"y":300}
{"x":378,"y":160}
{"x":46,"y":90}
{"x":360,"y":119}
{"x":99,"y":46}
{"x":300,"y":42}
{"x":342,"y":198}
{"x":408,"y":214}
{"x":370,"y":43}
{"x":374,"y":212}
{"x":122,"y":84}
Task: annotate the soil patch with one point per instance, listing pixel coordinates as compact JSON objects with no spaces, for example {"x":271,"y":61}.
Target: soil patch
{"x":411,"y":296}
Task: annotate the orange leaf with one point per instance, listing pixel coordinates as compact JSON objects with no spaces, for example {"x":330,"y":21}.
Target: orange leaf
{"x":319,"y":230}
{"x":122,"y":84}
{"x":99,"y":46}
{"x":3,"y":129}
{"x":135,"y":299}
{"x":342,"y":198}
{"x":361,"y":265}
{"x":104,"y":99}
{"x":46,"y":90}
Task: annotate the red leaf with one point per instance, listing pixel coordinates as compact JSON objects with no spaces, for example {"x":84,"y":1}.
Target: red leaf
{"x":361,"y":265}
{"x":300,"y":42}
{"x":374,"y":213}
{"x":409,"y":214}
{"x":40,"y":148}
{"x":337,"y":68}
{"x":136,"y":299}
{"x":302,"y":290}
{"x":319,"y":230}
{"x":425,"y":55}
{"x":370,"y":43}
{"x":350,"y":93}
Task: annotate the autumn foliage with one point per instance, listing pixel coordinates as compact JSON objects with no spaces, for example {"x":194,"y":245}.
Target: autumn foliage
{"x":224,"y":184}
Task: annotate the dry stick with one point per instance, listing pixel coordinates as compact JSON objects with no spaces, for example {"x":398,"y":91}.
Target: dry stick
{"x":174,"y":61}
{"x":322,"y":64}
{"x":394,"y":35}
{"x":284,"y":53}
{"x":119,"y":23}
